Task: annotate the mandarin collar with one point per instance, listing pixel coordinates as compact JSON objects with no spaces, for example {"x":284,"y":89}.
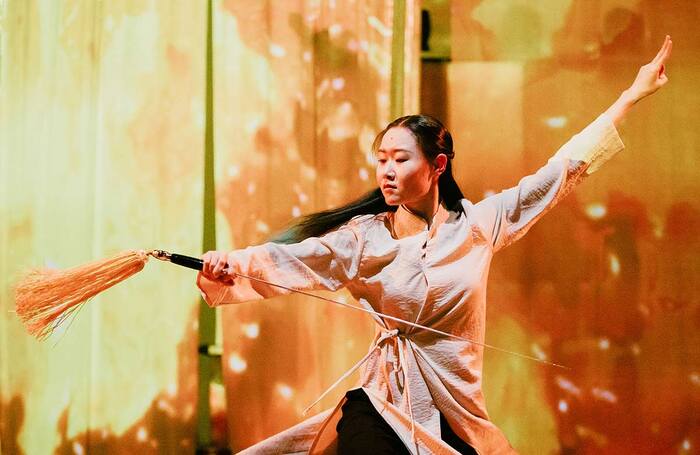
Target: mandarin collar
{"x":405,"y":223}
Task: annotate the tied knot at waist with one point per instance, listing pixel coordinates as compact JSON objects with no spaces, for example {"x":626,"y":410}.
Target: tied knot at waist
{"x":385,"y":335}
{"x":378,"y":343}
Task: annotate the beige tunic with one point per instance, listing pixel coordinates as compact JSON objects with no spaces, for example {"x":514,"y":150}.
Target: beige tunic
{"x":394,"y":264}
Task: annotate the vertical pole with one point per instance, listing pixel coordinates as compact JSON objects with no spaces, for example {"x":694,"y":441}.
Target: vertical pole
{"x":207,"y":316}
{"x":398,"y":41}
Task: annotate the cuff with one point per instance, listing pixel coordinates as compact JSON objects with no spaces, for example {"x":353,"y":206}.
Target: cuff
{"x":595,"y":145}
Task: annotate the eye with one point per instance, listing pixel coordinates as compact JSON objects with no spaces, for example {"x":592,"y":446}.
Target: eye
{"x":381,"y":160}
{"x":401,"y":160}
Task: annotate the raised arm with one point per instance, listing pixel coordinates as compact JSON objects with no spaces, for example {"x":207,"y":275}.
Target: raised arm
{"x":508,"y":215}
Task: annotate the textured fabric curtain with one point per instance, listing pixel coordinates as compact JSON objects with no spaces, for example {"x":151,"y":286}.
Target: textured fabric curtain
{"x":101,"y":150}
{"x":302,"y":88}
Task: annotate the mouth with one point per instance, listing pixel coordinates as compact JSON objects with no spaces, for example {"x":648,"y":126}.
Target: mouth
{"x":387,"y":187}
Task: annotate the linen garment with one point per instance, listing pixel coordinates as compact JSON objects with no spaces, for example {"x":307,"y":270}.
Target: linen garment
{"x":434,"y":275}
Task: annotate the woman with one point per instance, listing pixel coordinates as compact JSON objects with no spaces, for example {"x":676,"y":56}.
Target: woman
{"x":416,"y":250}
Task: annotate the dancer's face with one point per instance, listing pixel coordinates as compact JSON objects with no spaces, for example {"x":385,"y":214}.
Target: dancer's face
{"x":404,"y":174}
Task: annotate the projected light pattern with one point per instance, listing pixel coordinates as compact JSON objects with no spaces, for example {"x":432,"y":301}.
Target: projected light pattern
{"x":104,"y":151}
{"x":608,"y":282}
{"x":317,"y":83}
{"x":102,"y":125}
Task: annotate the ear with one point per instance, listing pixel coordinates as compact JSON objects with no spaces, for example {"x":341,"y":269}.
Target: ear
{"x":440,"y":163}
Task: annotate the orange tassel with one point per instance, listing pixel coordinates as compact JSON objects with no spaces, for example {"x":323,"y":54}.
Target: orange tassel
{"x":46,"y":297}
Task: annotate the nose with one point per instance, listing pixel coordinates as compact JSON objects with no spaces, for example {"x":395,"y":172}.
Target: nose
{"x":390,"y":172}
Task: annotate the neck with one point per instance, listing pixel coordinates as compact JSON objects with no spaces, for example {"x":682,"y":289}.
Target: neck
{"x":427,"y":206}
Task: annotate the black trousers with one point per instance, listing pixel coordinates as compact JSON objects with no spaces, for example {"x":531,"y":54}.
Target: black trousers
{"x":362,"y":430}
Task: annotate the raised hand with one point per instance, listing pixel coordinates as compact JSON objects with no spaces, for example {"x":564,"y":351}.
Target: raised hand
{"x":652,"y":76}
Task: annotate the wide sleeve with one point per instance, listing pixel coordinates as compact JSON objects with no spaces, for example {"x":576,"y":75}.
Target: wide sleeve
{"x":507,"y":216}
{"x":328,"y":262}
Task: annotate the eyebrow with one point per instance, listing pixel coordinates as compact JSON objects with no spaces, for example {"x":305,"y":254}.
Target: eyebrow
{"x":397,"y":150}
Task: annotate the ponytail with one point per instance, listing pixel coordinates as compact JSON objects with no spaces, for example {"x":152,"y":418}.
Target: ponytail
{"x":450,"y":192}
{"x":317,"y":224}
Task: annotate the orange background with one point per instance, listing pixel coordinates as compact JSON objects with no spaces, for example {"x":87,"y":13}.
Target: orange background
{"x":101,"y":136}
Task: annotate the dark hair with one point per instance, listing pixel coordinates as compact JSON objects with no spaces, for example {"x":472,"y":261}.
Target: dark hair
{"x":433,"y":139}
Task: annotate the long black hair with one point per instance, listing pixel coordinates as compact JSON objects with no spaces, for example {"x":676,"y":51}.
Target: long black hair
{"x":432,"y":138}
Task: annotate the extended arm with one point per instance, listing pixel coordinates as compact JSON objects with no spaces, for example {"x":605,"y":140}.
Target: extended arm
{"x":507,"y":216}
{"x":328,"y":262}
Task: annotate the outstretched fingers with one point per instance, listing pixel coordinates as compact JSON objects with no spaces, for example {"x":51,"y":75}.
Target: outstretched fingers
{"x":651,"y":76}
{"x":667,"y":54}
{"x":663,"y":53}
